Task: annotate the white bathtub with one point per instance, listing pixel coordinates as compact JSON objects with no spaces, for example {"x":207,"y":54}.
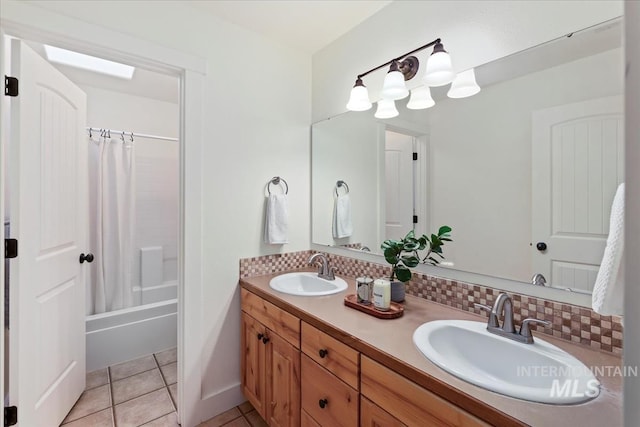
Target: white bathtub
{"x":130,"y":333}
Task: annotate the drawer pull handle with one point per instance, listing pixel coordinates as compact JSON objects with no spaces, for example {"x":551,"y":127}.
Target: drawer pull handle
{"x":265,"y":340}
{"x":323,"y":353}
{"x":323,"y":403}
{"x":260,"y":337}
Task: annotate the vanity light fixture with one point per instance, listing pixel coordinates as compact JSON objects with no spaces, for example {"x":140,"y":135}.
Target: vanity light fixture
{"x":439,"y":73}
{"x":464,"y":85}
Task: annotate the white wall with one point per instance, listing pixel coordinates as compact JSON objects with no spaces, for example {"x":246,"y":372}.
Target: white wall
{"x":156,"y":170}
{"x":632,"y":222}
{"x":256,"y":105}
{"x":474,"y":33}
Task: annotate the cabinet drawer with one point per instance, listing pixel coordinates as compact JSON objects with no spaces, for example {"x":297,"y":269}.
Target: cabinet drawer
{"x":279,"y":321}
{"x":307,"y":421}
{"x":338,"y":358}
{"x":328,"y":400}
{"x":371,"y":415}
{"x":407,"y":401}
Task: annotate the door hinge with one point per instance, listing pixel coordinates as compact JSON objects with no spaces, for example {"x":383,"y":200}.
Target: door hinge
{"x":10,"y":248}
{"x":415,"y":219}
{"x":415,"y":156}
{"x":10,"y":86}
{"x":10,"y":415}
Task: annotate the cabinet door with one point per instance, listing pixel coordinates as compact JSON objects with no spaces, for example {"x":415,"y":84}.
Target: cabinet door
{"x":253,"y":363}
{"x":371,"y":415}
{"x":283,"y":382}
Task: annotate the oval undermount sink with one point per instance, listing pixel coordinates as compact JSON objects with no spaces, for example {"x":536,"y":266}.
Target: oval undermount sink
{"x":538,"y":372}
{"x":306,"y":284}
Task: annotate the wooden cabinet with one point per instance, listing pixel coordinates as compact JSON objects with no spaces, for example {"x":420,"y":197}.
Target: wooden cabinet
{"x":270,"y":368}
{"x":407,"y":401}
{"x":371,"y":415}
{"x":329,"y":401}
{"x":295,"y":374}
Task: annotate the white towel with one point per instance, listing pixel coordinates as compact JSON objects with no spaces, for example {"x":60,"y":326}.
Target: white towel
{"x":608,"y":292}
{"x":276,"y":223}
{"x":342,"y":225}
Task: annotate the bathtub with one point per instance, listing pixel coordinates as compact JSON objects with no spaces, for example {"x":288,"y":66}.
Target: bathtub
{"x":130,"y":333}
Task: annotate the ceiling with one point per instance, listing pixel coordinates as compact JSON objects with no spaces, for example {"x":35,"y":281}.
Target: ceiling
{"x":308,"y":25}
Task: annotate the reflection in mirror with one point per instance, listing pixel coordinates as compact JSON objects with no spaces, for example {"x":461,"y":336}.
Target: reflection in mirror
{"x":524,"y":172}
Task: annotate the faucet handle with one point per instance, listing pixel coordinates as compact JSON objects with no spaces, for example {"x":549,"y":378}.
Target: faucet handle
{"x":493,"y":319}
{"x":525,"y":331}
{"x":331,"y":273}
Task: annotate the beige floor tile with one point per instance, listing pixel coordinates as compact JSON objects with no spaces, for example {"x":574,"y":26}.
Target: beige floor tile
{"x":90,"y":401}
{"x":99,"y":419}
{"x":173,"y":391}
{"x":238,"y":422}
{"x":97,"y":378}
{"x":169,"y":420}
{"x":143,"y":409}
{"x":136,"y":385}
{"x":246,"y":407}
{"x":167,"y":356}
{"x":223,"y":418}
{"x":255,"y":419}
{"x":170,"y":373}
{"x":132,"y":367}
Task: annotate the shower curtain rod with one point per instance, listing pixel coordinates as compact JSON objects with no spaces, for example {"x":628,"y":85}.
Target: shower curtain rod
{"x":127,"y":134}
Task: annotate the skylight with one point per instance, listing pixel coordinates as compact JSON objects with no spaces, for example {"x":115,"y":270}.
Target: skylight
{"x":86,"y":62}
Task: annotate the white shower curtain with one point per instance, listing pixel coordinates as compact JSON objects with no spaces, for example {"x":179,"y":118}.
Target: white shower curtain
{"x":112,"y":166}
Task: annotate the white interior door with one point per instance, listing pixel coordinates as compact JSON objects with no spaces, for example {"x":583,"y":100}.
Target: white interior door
{"x":577,"y":165}
{"x":399,"y":184}
{"x":49,"y":218}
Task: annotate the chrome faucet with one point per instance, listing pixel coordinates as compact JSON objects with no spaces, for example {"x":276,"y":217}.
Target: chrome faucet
{"x":324,"y":271}
{"x":503,"y":306}
{"x":538,"y":280}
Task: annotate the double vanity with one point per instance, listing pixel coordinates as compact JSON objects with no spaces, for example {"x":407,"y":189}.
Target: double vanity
{"x":309,"y":360}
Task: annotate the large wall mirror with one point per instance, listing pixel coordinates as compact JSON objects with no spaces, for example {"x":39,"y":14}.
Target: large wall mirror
{"x":535,"y":157}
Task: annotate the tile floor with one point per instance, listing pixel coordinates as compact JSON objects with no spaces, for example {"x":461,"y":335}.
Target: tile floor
{"x":142,"y":392}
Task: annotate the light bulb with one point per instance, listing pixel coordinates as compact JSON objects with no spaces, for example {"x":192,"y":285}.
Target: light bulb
{"x":359,"y":98}
{"x":439,"y":70}
{"x":386,"y":109}
{"x":464,"y":85}
{"x":420,"y":98}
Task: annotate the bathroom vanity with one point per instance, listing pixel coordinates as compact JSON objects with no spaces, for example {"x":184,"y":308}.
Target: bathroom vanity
{"x":312,"y":361}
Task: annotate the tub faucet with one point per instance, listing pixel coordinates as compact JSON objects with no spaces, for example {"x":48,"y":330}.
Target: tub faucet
{"x":324,"y":271}
{"x":503,"y":306}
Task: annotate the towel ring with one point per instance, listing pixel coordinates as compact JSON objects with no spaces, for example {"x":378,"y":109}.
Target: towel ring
{"x":276,"y":180}
{"x":339,"y":184}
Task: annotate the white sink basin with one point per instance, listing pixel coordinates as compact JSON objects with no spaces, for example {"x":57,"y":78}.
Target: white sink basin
{"x":307,"y":284}
{"x":538,"y":372}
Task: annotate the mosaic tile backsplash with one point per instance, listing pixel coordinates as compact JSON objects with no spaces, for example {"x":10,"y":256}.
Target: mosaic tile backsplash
{"x":569,"y":322}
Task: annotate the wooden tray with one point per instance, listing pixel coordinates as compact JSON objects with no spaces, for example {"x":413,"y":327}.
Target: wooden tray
{"x":396,"y":310}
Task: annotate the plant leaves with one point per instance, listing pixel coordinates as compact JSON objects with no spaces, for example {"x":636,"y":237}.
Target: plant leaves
{"x":403,"y":274}
{"x":410,"y":261}
{"x":444,"y":229}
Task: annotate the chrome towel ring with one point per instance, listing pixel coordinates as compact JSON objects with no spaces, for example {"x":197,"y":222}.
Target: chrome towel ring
{"x":339,"y":184}
{"x":276,"y":180}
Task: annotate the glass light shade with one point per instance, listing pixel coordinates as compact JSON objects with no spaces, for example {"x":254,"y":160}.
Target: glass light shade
{"x":439,"y":70}
{"x":394,"y":86}
{"x":420,"y":98}
{"x":386,"y":109}
{"x":464,"y":85}
{"x":359,"y":99}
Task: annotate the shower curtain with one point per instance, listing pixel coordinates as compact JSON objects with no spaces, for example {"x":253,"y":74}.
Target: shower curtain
{"x":112,"y":200}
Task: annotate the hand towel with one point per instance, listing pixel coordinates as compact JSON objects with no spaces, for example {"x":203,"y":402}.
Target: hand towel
{"x":608,"y":292}
{"x":276,"y":224}
{"x":342,"y":225}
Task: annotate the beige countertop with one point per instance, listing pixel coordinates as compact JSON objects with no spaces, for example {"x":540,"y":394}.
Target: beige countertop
{"x":390,"y":343}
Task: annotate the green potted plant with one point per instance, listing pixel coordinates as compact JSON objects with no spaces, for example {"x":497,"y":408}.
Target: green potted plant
{"x":404,"y":254}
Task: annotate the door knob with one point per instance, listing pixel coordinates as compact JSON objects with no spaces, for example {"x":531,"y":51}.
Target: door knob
{"x":87,"y":257}
{"x":541,"y":246}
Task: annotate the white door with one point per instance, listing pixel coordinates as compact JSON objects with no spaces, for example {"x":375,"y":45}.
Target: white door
{"x":49,"y":218}
{"x":577,"y":165}
{"x":399,"y":184}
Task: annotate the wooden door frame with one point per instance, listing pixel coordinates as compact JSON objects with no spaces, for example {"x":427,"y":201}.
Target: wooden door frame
{"x":33,"y":23}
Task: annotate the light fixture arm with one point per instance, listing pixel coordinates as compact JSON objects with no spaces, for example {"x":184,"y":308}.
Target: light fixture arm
{"x":436,"y":41}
